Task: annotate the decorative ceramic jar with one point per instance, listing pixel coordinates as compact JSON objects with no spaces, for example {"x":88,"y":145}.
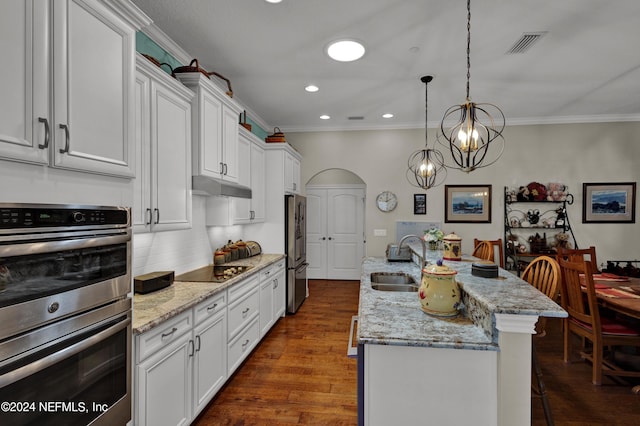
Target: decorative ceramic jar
{"x":439,"y":292}
{"x":452,"y":247}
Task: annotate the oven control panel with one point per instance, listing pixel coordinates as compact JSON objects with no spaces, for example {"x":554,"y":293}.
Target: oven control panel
{"x":40,"y":216}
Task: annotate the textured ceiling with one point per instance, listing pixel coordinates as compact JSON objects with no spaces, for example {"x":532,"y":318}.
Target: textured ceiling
{"x":585,"y":68}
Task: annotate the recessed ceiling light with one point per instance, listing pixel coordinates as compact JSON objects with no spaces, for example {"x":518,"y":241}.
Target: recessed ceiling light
{"x":345,"y":50}
{"x":324,"y":117}
{"x":273,"y":1}
{"x":311,"y":88}
{"x":387,"y":115}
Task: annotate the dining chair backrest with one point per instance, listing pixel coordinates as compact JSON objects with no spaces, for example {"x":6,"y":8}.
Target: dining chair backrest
{"x":588,"y":254}
{"x":544,"y":274}
{"x":481,"y":250}
{"x":574,"y":274}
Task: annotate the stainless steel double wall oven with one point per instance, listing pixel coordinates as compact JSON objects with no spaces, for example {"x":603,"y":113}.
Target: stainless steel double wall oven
{"x":65,"y":317}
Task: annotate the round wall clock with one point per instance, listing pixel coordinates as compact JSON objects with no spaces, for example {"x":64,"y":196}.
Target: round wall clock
{"x":386,"y":201}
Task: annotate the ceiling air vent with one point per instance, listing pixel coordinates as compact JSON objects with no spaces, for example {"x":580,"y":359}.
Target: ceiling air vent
{"x":357,"y":117}
{"x":525,"y":42}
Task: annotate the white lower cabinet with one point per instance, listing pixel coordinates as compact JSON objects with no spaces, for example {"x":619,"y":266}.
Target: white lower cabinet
{"x":244,"y":334}
{"x":272,"y":296}
{"x":182,"y":363}
{"x":210,"y":355}
{"x":181,"y":367}
{"x":163,"y":373}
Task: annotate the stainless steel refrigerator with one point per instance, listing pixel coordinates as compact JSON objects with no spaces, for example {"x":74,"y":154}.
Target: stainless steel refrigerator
{"x":296,"y":250}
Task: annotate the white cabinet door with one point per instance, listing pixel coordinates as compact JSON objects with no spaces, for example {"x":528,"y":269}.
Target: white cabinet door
{"x":89,"y":51}
{"x":93,"y":89}
{"x":242,"y":206}
{"x":162,"y":187}
{"x":207,"y":147}
{"x":210,"y":360}
{"x":25,"y":125}
{"x":230,"y":120}
{"x":141,"y":211}
{"x":164,"y":385}
{"x":171,"y":178}
{"x":279,"y":291}
{"x":266,"y":302}
{"x":258,"y":184}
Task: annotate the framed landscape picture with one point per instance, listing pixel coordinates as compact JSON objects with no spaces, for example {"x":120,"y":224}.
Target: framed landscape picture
{"x":609,"y":202}
{"x":467,"y":203}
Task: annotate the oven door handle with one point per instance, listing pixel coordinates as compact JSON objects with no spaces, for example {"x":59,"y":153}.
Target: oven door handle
{"x":51,"y":359}
{"x":39,"y":247}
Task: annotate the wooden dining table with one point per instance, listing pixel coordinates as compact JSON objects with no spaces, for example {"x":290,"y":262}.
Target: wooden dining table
{"x":619,"y":294}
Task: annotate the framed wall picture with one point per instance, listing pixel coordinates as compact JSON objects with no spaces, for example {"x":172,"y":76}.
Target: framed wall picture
{"x":419,"y":203}
{"x":609,"y":202}
{"x":467,"y":203}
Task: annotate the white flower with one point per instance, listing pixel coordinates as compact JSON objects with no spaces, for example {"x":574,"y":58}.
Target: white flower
{"x":433,"y":234}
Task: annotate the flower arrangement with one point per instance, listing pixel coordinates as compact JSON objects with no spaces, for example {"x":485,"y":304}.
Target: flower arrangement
{"x":433,"y":234}
{"x":433,"y":237}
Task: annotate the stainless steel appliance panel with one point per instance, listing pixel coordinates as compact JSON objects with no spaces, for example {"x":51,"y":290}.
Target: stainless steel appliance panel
{"x":295,"y":248}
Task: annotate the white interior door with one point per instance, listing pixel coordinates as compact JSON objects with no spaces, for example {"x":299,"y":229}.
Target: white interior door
{"x":345,"y":230}
{"x":317,"y":233}
{"x":335,"y":232}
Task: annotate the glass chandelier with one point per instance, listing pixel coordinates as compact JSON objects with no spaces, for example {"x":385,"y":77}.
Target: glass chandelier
{"x":475,"y":139}
{"x":426,"y":166}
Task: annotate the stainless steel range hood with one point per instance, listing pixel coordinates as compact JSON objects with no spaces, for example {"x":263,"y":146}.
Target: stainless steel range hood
{"x":204,"y":185}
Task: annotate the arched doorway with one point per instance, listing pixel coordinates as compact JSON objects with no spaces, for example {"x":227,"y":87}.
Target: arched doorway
{"x":335,"y":225}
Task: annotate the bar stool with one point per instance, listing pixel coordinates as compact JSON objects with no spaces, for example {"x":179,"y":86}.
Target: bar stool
{"x":544,"y":274}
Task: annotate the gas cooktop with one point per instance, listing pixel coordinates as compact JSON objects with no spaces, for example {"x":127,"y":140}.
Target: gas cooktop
{"x":213,"y":273}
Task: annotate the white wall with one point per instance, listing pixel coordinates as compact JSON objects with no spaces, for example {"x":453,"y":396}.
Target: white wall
{"x":567,"y":153}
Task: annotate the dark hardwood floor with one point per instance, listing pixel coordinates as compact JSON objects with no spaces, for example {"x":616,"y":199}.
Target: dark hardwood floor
{"x":300,"y":374}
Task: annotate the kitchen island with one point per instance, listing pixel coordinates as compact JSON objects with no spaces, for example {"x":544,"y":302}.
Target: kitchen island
{"x":471,"y":369}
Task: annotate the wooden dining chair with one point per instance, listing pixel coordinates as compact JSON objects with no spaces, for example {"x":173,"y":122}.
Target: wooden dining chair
{"x":588,"y":254}
{"x":485,"y":249}
{"x":544,"y":274}
{"x":585,"y":321}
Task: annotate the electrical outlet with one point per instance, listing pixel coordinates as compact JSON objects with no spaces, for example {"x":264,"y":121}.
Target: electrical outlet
{"x":379,"y":232}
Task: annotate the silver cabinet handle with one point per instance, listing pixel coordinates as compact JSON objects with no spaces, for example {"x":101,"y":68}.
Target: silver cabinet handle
{"x":275,"y":283}
{"x":244,"y":345}
{"x":245,"y":312}
{"x":157,"y":212}
{"x":323,"y":238}
{"x":330,"y":238}
{"x":198,"y":343}
{"x":211,"y":308}
{"x":66,"y":138}
{"x":173,"y":330}
{"x":221,"y":168}
{"x":225,"y":169}
{"x":191,"y":347}
{"x":47,"y":134}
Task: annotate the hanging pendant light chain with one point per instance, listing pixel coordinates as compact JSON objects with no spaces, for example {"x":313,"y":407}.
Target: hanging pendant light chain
{"x":468,"y":45}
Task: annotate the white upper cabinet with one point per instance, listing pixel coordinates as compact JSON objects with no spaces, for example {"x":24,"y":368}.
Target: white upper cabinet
{"x":251,"y":173}
{"x":162,"y":187}
{"x":81,"y":119}
{"x":215,"y":129}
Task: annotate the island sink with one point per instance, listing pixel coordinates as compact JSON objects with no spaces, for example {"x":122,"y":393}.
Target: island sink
{"x":390,"y":281}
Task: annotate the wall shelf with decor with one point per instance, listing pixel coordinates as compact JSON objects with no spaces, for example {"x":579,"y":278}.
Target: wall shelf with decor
{"x":535,"y":223}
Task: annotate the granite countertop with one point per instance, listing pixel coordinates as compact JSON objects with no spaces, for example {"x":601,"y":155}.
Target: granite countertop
{"x":395,"y":318}
{"x":152,"y":309}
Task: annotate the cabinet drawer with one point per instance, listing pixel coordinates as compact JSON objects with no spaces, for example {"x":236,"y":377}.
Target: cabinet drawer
{"x":239,"y":290}
{"x":242,"y":345}
{"x":267,"y":273}
{"x":210,"y":307}
{"x":162,"y":335}
{"x":242,"y":311}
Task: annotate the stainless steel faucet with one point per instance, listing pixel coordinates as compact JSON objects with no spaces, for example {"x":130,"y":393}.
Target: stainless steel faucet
{"x":424,"y":248}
